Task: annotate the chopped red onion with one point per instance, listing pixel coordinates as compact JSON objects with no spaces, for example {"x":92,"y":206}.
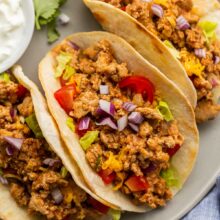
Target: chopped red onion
{"x":147,"y":1}
{"x":182,"y":23}
{"x":135,"y":118}
{"x":9,"y":150}
{"x":216,"y":59}
{"x":50,"y":162}
{"x":201,"y":53}
{"x":134,"y":127}
{"x":150,"y":168}
{"x":57,"y":196}
{"x":107,"y":107}
{"x":104,"y":89}
{"x":109,"y":122}
{"x":122,"y":123}
{"x":157,"y":10}
{"x":84,"y":123}
{"x":63,"y":19}
{"x":3,"y":180}
{"x":14,"y":142}
{"x":129,"y":106}
{"x":214,"y":82}
{"x":13,"y":112}
{"x":74,"y":45}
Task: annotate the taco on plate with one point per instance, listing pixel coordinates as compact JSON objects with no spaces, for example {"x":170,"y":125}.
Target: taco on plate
{"x":180,"y":37}
{"x":130,"y":130}
{"x":38,"y":180}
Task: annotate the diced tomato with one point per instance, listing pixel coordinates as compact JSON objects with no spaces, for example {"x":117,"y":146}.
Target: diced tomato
{"x":63,"y":81}
{"x":139,"y":84}
{"x":21,"y":92}
{"x":123,"y":8}
{"x":98,"y":205}
{"x":172,"y":151}
{"x":65,"y":97}
{"x":137,"y":183}
{"x":107,"y":176}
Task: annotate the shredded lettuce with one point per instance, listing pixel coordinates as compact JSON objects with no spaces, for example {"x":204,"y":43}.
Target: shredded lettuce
{"x":115,"y":214}
{"x":34,"y":126}
{"x":170,"y":176}
{"x":70,"y":124}
{"x":69,"y":72}
{"x":164,"y":110}
{"x":63,"y":60}
{"x":89,"y":138}
{"x":5,"y":77}
{"x":209,"y":29}
{"x":172,"y":49}
{"x":63,"y":172}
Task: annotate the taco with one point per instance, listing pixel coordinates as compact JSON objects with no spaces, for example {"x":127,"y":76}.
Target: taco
{"x":130,"y":130}
{"x":180,"y":37}
{"x":38,"y":180}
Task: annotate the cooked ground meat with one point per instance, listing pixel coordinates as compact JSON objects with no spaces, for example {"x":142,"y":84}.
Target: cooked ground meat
{"x":194,"y":37}
{"x":31,"y":180}
{"x":122,"y":154}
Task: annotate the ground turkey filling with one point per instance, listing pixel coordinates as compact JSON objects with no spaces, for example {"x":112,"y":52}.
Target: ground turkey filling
{"x":203,"y":71}
{"x":134,"y":158}
{"x":34,"y":174}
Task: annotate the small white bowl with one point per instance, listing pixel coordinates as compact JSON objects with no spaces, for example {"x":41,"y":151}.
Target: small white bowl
{"x":28,"y":9}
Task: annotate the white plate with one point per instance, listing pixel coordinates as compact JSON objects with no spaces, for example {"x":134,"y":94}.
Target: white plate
{"x":28,"y":9}
{"x":208,"y":163}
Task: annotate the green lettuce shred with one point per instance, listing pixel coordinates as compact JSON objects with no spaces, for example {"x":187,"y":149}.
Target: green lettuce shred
{"x":164,"y":110}
{"x":69,"y":71}
{"x":170,"y":176}
{"x":172,"y":49}
{"x":63,"y":60}
{"x":89,"y":138}
{"x":115,"y":214}
{"x":63,"y":172}
{"x":5,"y":77}
{"x":209,"y":29}
{"x":34,"y":126}
{"x":70,"y":124}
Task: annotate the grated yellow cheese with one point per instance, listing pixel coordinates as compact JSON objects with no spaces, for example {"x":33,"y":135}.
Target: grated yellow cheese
{"x":112,"y":163}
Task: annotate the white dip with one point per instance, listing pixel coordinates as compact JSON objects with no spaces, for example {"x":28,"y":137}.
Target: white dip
{"x":12,"y":23}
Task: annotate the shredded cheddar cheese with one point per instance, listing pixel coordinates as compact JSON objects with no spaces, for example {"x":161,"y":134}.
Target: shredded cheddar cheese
{"x":192,"y":64}
{"x":112,"y":163}
{"x":161,"y":2}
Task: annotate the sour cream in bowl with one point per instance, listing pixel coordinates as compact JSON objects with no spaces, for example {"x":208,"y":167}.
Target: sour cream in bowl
{"x":16,"y":30}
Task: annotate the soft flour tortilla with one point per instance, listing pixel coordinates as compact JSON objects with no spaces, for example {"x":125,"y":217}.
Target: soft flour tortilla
{"x":9,"y":210}
{"x":149,"y":46}
{"x":183,"y":161}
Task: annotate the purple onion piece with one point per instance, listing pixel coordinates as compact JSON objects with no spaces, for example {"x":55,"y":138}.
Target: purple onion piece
{"x":9,"y":150}
{"x":14,"y":142}
{"x":129,"y":106}
{"x":150,"y":168}
{"x":214,"y":82}
{"x":104,"y":89}
{"x":182,"y":23}
{"x":51,"y":162}
{"x":107,"y":107}
{"x":57,"y":196}
{"x":201,"y":53}
{"x":84,"y":123}
{"x":109,"y":122}
{"x":216,"y":59}
{"x":3,"y":180}
{"x":135,"y":118}
{"x":122,"y":123}
{"x":13,"y":112}
{"x":74,"y":45}
{"x":63,"y":19}
{"x":134,"y":127}
{"x":157,"y":10}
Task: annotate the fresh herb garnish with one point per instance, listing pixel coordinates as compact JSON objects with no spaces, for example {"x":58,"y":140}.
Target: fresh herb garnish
{"x":46,"y":14}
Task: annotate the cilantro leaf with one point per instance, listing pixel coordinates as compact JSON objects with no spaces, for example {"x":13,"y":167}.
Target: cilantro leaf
{"x":52,"y":33}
